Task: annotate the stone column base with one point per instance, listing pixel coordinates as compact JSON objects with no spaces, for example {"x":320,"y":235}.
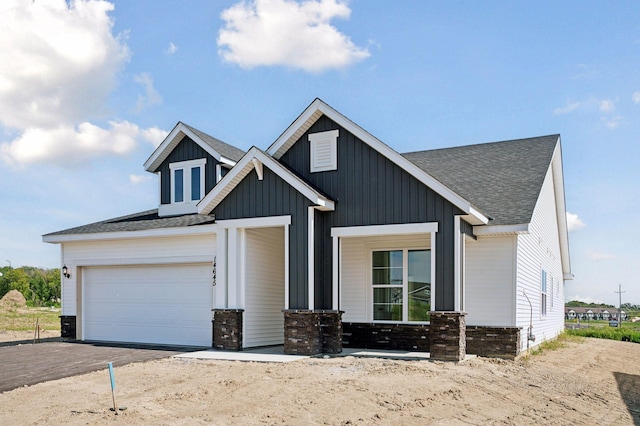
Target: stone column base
{"x":447,"y":336}
{"x":68,"y":327}
{"x":227,"y":329}
{"x":312,"y":332}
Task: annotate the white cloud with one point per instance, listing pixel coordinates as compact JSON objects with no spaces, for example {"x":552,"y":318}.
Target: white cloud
{"x":600,"y":256}
{"x":636,"y":98}
{"x":289,"y":33}
{"x":151,"y":96}
{"x":574,"y":222}
{"x":171,"y":49}
{"x":154,"y":135}
{"x":138,"y":179}
{"x":569,"y":107}
{"x":612,"y":122}
{"x":607,"y":106}
{"x":66,"y":145}
{"x":59,"y":61}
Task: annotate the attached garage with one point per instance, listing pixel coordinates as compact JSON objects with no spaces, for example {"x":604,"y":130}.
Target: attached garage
{"x":160,"y":304}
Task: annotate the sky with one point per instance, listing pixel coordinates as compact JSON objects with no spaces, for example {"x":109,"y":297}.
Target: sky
{"x":88,"y":89}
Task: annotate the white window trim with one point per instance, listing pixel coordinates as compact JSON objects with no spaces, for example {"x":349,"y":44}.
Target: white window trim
{"x":317,"y":141}
{"x":186,"y":179}
{"x":219,"y":168}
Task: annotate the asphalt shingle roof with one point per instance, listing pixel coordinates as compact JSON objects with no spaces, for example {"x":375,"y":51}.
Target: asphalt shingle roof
{"x":226,"y":150}
{"x":501,"y":179}
{"x":138,"y":222}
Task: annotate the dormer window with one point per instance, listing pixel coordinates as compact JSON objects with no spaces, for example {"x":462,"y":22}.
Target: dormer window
{"x":187,"y":187}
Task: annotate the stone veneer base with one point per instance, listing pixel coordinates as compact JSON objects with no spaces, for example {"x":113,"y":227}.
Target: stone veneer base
{"x":68,"y":327}
{"x":227,"y":329}
{"x":447,"y":336}
{"x":312,"y":332}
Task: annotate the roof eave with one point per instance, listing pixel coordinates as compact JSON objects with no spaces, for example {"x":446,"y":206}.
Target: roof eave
{"x":172,"y":140}
{"x":120,"y":235}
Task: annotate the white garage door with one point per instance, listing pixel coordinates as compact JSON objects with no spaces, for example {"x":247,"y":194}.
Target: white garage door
{"x":166,"y":304}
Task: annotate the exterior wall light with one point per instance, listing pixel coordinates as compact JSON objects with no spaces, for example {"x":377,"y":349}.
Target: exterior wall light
{"x":65,"y":272}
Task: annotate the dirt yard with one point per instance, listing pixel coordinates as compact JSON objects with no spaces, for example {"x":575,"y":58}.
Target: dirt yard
{"x":588,"y":382}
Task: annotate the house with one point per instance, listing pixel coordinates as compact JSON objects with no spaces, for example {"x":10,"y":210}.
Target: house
{"x":330,"y":238}
{"x":593,"y":313}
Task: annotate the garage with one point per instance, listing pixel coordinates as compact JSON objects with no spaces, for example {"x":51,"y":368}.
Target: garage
{"x":160,"y":304}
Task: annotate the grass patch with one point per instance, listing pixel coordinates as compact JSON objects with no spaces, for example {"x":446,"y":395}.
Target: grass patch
{"x":555,"y":344}
{"x":624,"y":334}
{"x":24,"y":319}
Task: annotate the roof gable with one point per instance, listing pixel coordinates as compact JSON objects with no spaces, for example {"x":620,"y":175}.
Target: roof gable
{"x":318,"y":108}
{"x":221,"y":151}
{"x":255,"y":159}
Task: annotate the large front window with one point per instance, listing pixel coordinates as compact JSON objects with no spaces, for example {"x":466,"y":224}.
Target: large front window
{"x":401,"y":281}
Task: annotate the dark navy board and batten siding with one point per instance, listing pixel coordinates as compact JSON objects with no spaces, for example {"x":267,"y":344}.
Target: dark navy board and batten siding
{"x":186,"y":150}
{"x":369,"y":189}
{"x":272,"y":196}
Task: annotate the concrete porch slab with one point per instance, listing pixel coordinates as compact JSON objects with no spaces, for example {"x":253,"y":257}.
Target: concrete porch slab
{"x":276,"y":354}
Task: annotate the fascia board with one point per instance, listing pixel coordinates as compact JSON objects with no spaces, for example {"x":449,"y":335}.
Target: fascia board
{"x":318,"y":107}
{"x":244,"y":167}
{"x":172,"y":140}
{"x":522,"y":228}
{"x":561,"y":212}
{"x":122,"y":235}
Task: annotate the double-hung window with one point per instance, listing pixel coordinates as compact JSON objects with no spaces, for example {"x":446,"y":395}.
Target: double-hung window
{"x":187,"y":181}
{"x":401,"y":283}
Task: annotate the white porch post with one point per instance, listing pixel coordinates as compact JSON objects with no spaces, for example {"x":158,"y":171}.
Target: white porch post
{"x":232,"y":271}
{"x":311,"y":260}
{"x":221,"y":270}
{"x":457,"y":282}
{"x":335,"y":285}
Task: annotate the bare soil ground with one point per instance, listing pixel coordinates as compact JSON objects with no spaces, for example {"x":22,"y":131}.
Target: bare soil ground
{"x":588,"y":382}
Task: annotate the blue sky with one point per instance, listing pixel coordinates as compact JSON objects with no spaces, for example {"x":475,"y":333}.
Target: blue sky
{"x":88,"y":88}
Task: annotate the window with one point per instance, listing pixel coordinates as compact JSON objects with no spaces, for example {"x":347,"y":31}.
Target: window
{"x":187,"y":181}
{"x":221,"y":171}
{"x":401,"y":281}
{"x":324,"y":151}
{"x":543,"y":293}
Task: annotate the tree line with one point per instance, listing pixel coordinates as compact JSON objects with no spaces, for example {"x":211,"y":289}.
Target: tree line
{"x":39,"y":286}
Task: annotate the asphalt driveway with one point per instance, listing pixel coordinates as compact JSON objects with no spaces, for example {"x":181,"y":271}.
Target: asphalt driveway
{"x":28,"y":364}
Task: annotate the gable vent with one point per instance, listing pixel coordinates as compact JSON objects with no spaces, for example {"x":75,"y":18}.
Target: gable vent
{"x":324,"y":151}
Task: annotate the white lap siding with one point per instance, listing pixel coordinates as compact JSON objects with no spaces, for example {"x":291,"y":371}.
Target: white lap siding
{"x":264,"y":287}
{"x":355,"y":270}
{"x":490,"y":278}
{"x":540,"y":250}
